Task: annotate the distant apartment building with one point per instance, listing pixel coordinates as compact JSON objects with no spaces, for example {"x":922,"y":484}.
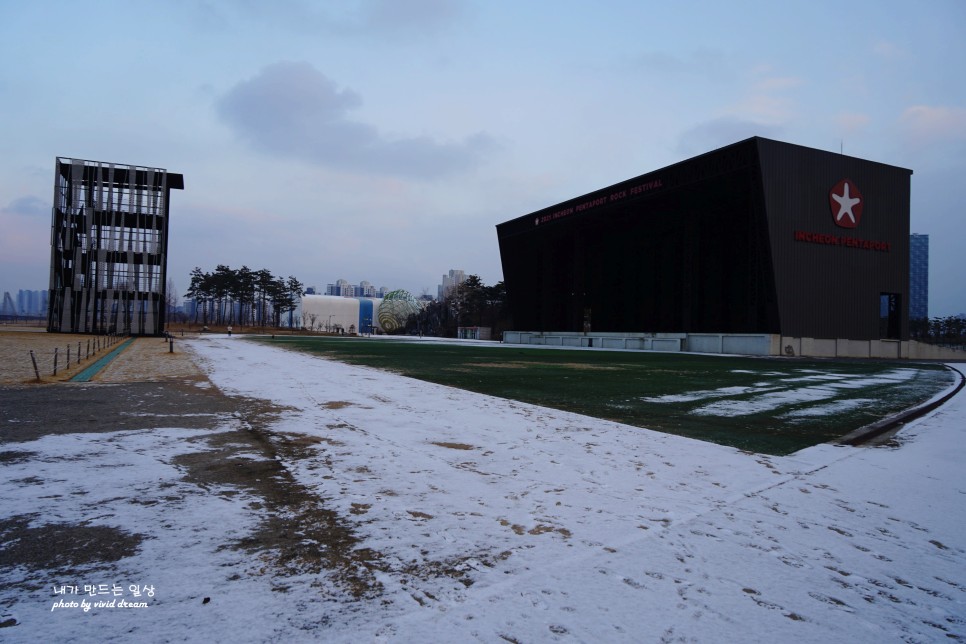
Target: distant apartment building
{"x":343,"y":288}
{"x":918,"y":277}
{"x":451,"y":281}
{"x":32,"y":303}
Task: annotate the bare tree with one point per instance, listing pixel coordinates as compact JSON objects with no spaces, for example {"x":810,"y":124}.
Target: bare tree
{"x":171,"y":300}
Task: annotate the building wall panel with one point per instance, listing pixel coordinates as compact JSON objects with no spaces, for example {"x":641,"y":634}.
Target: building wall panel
{"x":829,"y":281}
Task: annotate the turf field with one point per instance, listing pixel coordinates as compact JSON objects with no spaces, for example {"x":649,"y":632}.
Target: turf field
{"x":767,"y":405}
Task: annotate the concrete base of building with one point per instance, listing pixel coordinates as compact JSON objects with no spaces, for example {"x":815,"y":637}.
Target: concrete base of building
{"x":743,"y":344}
{"x":890,"y":349}
{"x":749,"y":344}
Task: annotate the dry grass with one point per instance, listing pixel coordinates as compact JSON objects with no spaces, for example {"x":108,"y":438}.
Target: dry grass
{"x":454,"y":445}
{"x":16,"y":344}
{"x":147,"y":359}
{"x":150,"y":359}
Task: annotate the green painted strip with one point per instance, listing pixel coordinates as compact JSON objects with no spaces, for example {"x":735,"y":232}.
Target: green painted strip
{"x":91,"y":371}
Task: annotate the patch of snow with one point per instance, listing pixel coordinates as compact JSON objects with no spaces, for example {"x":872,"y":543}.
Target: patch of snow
{"x":563,"y":527}
{"x":764,"y":402}
{"x":829,"y":409}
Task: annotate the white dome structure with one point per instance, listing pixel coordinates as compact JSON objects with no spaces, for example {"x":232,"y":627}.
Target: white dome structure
{"x":340,"y":314}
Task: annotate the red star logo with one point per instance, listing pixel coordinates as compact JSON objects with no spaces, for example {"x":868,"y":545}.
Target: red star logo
{"x":846,"y":203}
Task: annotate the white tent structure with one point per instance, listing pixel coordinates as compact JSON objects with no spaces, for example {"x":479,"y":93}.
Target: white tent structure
{"x":340,"y":314}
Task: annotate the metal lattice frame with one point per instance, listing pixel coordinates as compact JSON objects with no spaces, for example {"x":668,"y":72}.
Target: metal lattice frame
{"x":108,"y":245}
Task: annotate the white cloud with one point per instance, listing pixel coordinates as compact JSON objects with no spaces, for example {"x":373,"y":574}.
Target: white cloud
{"x":767,"y":100}
{"x":924,"y":125}
{"x":416,"y":16}
{"x":293,"y":110}
{"x":720,"y":132}
{"x":852,"y":122}
{"x":712,"y":64}
{"x":366,"y":19}
{"x":28,"y":205}
{"x":888,"y":50}
{"x":776,"y":83}
{"x":773,"y":110}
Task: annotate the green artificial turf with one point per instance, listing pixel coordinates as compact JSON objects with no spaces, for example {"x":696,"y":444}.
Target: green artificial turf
{"x":767,"y":405}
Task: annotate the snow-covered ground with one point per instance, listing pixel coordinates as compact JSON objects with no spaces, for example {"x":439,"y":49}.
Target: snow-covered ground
{"x":481,"y":519}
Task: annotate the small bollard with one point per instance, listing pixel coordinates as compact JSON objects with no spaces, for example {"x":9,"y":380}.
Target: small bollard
{"x":170,"y":346}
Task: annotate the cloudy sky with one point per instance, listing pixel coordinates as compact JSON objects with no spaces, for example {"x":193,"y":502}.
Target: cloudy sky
{"x":383,"y":140}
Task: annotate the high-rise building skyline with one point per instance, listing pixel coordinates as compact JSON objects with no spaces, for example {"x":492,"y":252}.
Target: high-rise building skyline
{"x":363,"y":289}
{"x":27,"y":304}
{"x":918,"y":277}
{"x":32,"y":303}
{"x":452,"y":280}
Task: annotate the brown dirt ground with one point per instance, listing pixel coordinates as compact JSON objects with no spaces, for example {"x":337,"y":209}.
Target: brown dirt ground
{"x":145,"y":360}
{"x":148,"y":376}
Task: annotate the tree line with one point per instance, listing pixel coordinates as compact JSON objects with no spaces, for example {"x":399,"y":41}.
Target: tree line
{"x":950,"y":330}
{"x":228,"y":296}
{"x":470,"y":303}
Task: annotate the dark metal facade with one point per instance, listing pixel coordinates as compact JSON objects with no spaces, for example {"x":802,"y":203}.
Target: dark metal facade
{"x":109,"y":244}
{"x":739,"y":240}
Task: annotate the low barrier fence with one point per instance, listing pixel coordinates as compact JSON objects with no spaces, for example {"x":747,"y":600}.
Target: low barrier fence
{"x":71,"y":356}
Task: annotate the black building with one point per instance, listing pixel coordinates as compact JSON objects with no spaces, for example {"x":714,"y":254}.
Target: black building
{"x":757,"y":237}
{"x":109,"y":247}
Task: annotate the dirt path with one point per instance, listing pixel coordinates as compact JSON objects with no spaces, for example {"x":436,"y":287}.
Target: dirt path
{"x":228,"y":448}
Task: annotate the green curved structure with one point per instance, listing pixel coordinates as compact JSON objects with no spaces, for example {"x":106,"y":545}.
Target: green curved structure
{"x":395,"y":309}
